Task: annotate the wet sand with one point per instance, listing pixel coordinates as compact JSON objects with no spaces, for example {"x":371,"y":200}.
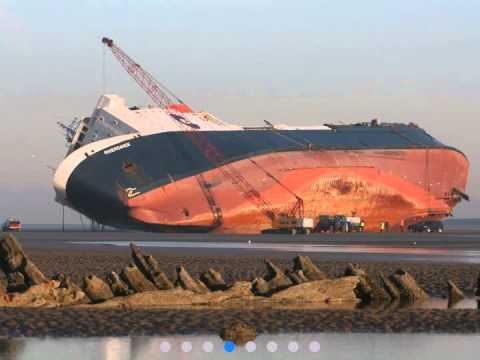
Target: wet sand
{"x":120,"y":322}
{"x":90,"y":323}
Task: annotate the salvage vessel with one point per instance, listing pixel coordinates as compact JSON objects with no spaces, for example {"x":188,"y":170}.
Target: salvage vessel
{"x":168,"y":168}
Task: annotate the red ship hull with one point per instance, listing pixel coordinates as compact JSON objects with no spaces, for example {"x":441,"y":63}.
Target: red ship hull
{"x":398,"y":186}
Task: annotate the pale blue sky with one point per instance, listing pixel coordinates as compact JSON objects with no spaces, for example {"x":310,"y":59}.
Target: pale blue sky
{"x":298,"y":62}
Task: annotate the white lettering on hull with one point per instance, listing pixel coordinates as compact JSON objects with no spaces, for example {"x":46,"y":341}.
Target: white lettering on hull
{"x":131,"y":192}
{"x":116,"y":148}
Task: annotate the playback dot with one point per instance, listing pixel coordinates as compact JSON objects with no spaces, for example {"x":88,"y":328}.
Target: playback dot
{"x":229,"y":346}
{"x":208,"y":346}
{"x":293,"y":346}
{"x":250,"y":346}
{"x":187,"y":346}
{"x":272,"y":346}
{"x":165,"y":346}
{"x":314,"y":346}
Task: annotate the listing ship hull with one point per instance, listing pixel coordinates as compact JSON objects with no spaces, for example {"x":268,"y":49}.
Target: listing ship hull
{"x":397,"y":175}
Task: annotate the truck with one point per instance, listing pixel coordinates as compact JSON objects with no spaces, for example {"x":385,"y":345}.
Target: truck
{"x":339,"y":223}
{"x":325,"y":223}
{"x":355,"y":223}
{"x":290,"y":224}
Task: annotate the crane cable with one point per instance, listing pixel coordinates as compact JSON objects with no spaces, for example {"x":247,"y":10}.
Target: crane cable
{"x":104,"y":72}
{"x":305,"y":144}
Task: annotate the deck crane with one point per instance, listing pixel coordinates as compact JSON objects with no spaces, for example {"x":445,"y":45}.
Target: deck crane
{"x":166,"y":100}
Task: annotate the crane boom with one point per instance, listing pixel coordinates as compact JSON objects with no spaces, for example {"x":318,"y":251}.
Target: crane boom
{"x":166,"y":100}
{"x":159,"y":93}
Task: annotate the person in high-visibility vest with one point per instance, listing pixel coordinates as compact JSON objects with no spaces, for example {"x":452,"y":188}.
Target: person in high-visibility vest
{"x":382,"y":226}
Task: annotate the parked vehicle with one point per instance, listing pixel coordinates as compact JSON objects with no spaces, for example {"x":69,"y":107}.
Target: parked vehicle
{"x":290,"y":224}
{"x":12,"y":225}
{"x":355,"y":223}
{"x":426,"y":226}
{"x":340,"y":223}
{"x":325,"y":223}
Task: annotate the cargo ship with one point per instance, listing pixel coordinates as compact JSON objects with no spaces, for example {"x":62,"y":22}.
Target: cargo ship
{"x":135,"y":168}
{"x":167,"y":168}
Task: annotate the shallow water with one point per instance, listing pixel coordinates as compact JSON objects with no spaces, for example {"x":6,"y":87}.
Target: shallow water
{"x":440,"y":303}
{"x":307,"y":346}
{"x":430,"y":303}
{"x":383,"y":253}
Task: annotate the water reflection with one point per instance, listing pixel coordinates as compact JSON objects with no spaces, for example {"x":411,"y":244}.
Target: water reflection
{"x":440,"y":303}
{"x":284,"y":346}
{"x":430,"y":303}
{"x":9,"y":348}
{"x":384,"y":253}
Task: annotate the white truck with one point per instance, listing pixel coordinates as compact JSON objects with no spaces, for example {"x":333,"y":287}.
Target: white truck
{"x":355,"y":223}
{"x":290,"y":224}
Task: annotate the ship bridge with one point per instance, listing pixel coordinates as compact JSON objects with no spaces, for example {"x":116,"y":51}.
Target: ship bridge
{"x":112,"y":117}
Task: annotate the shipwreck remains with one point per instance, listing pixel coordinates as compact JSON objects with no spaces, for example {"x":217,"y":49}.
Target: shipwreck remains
{"x":143,"y":283}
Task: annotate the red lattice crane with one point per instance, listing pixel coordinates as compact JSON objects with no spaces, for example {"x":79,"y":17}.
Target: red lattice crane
{"x":165,"y":99}
{"x":159,"y":93}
